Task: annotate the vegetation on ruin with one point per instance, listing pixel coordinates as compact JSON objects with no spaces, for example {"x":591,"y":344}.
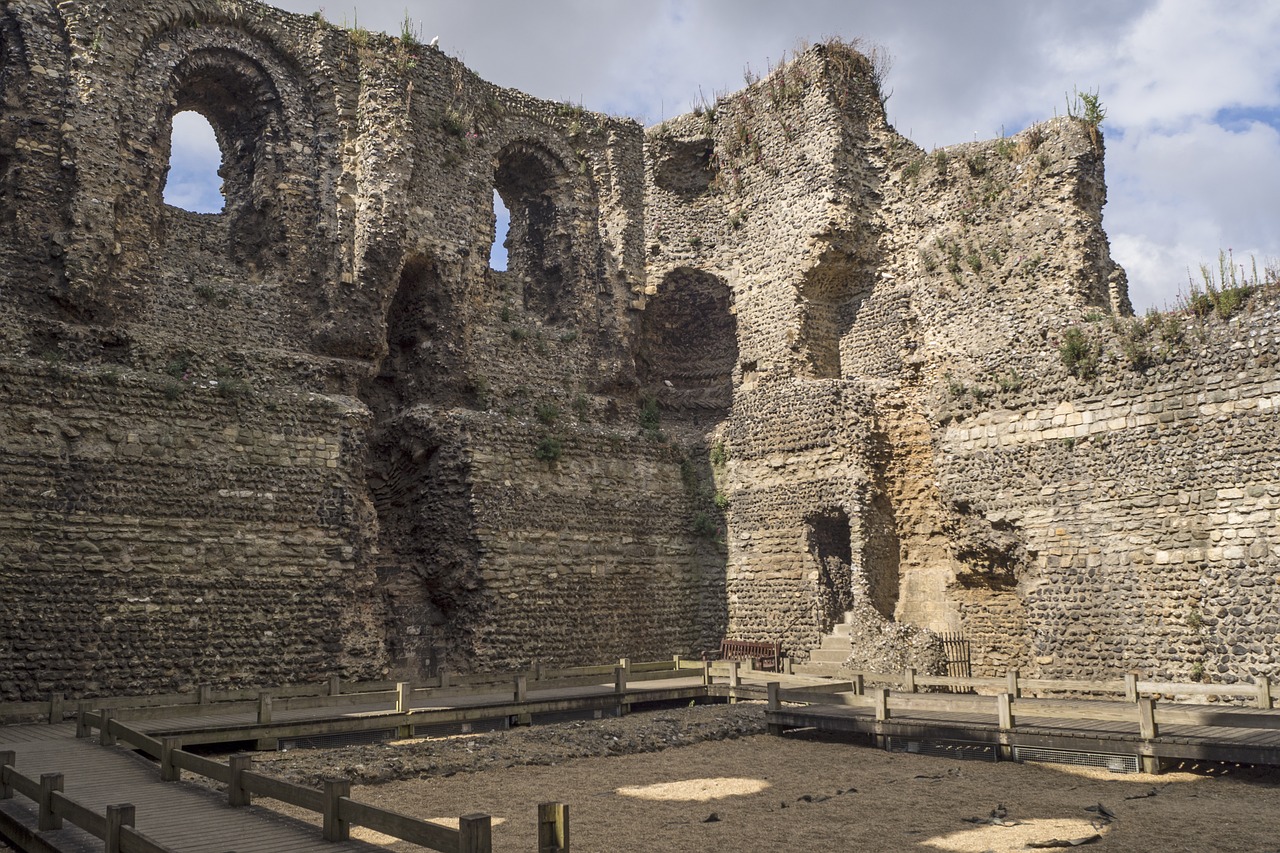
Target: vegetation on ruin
{"x":1080,"y":353}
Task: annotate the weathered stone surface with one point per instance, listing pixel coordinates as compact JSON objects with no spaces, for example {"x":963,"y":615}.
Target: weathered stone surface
{"x":747,"y":370}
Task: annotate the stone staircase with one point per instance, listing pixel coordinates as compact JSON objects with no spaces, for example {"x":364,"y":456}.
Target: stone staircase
{"x":833,"y":651}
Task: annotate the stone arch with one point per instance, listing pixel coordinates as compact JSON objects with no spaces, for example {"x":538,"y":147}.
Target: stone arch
{"x":689,"y":343}
{"x":262,"y":114}
{"x":537,"y":191}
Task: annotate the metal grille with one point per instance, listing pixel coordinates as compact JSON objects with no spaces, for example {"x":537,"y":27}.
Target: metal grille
{"x":957,"y":750}
{"x":340,"y":739}
{"x":1114,"y":763}
{"x":959,"y":662}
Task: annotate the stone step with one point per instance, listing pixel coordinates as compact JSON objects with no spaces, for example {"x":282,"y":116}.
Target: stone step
{"x":832,"y":641}
{"x":841,"y":629}
{"x":829,"y":670}
{"x":829,"y":655}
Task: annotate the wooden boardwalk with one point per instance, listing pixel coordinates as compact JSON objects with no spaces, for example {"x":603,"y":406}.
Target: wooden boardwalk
{"x":1095,"y":727}
{"x":184,"y":816}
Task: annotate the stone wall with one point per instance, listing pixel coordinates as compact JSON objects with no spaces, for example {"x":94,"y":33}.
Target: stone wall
{"x":747,"y":371}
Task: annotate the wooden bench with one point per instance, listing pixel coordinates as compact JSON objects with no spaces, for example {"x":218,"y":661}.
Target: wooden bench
{"x":764,"y":655}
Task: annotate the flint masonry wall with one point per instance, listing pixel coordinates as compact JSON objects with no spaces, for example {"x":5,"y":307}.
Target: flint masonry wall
{"x":747,"y":371}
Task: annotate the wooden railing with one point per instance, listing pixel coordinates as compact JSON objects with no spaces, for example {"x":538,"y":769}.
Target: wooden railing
{"x":335,"y":693}
{"x":1261,"y":692}
{"x":115,"y":827}
{"x":339,"y":812}
{"x":1007,"y":706}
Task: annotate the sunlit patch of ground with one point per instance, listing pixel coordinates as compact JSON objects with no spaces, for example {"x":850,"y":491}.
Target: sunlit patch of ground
{"x":1016,"y":835}
{"x":696,"y":790}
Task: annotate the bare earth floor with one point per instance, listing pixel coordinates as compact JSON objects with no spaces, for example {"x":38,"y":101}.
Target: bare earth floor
{"x":763,"y":793}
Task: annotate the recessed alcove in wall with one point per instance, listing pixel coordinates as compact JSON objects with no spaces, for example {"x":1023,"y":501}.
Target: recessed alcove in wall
{"x":685,"y":166}
{"x":829,"y":540}
{"x":420,"y":334}
{"x":882,"y":555}
{"x":828,"y":300}
{"x":195,"y":157}
{"x":689,"y":343}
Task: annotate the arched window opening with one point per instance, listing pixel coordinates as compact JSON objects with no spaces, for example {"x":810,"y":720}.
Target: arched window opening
{"x":194,"y":181}
{"x":689,"y":343}
{"x":501,"y":234}
{"x":539,"y":249}
{"x":241,"y":103}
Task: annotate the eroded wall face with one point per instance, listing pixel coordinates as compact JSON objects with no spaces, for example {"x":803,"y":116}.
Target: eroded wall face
{"x":748,"y":372}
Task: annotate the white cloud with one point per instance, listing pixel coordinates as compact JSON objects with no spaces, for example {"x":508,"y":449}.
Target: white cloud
{"x":194,"y":158}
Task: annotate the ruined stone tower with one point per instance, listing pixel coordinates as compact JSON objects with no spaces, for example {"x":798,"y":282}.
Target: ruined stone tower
{"x":747,"y":371}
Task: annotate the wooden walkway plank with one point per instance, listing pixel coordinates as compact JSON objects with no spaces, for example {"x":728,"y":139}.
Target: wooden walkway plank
{"x":188,"y":817}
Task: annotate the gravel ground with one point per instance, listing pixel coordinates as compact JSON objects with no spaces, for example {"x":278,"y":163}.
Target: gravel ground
{"x":705,"y":778}
{"x":537,"y":745}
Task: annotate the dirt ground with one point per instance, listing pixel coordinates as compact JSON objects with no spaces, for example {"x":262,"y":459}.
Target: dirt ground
{"x":703,"y":779}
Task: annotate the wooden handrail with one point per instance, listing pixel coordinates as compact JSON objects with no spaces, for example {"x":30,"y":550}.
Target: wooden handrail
{"x":1007,"y":708}
{"x":243,"y":784}
{"x":114,"y":827}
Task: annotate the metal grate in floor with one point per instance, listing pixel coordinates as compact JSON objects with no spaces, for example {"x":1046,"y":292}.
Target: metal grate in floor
{"x":1114,"y":763}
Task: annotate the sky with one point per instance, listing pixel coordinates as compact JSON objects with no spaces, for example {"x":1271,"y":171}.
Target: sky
{"x":1191,"y":90}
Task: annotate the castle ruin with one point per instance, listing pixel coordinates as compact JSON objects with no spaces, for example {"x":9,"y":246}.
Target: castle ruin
{"x":747,"y":371}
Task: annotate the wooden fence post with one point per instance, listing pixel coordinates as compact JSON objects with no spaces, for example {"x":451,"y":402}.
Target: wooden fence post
{"x":117,"y":816}
{"x":1004,"y":709}
{"x":169,"y":772}
{"x":706,"y":673}
{"x":204,"y":694}
{"x":553,"y":828}
{"x":105,"y":737}
{"x":237,"y":795}
{"x":775,"y":703}
{"x":444,"y":677}
{"x":620,"y":689}
{"x":1147,"y":718}
{"x":859,"y":686}
{"x":1131,"y":687}
{"x":1011,"y":682}
{"x":909,"y":680}
{"x":335,"y":685}
{"x":882,"y":703}
{"x":55,"y":708}
{"x":264,"y":708}
{"x":675,"y":662}
{"x":475,"y":834}
{"x":49,"y":782}
{"x":335,"y":828}
{"x":10,"y":758}
{"x":83,"y":729}
{"x":625,"y":663}
{"x":264,"y":719}
{"x":404,"y":705}
{"x":1264,"y":692}
{"x":522,"y":688}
